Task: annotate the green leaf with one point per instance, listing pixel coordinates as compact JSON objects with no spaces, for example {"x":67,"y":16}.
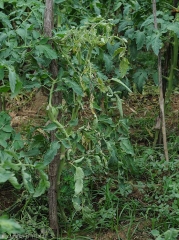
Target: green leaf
{"x":40,"y":189}
{"x":27,"y":179}
{"x":155,"y":42}
{"x":155,"y":77}
{"x":1,"y":73}
{"x":32,"y":152}
{"x":17,"y":89}
{"x":117,"y":5}
{"x":2,"y":4}
{"x":12,"y":78}
{"x":9,"y":226}
{"x":101,"y":75}
{"x":124,"y":66}
{"x":155,"y":233}
{"x":120,"y":82}
{"x":126,"y":146}
{"x":96,"y":8}
{"x":4,"y":118}
{"x":73,"y":122}
{"x":36,"y":34}
{"x":13,"y":180}
{"x":80,"y":147}
{"x":119,"y":105}
{"x":108,"y":62}
{"x":4,"y":89}
{"x":65,"y":143}
{"x":10,"y":165}
{"x":50,"y":127}
{"x":171,"y":234}
{"x":18,"y":142}
{"x":50,"y":154}
{"x":113,"y":160}
{"x":96,"y":106}
{"x":22,"y":33}
{"x":5,"y":135}
{"x":7,"y":128}
{"x":75,"y":86}
{"x":3,"y":143}
{"x":140,"y":39}
{"x":3,"y":37}
{"x":43,"y":184}
{"x":47,"y":51}
{"x":140,"y":78}
{"x":59,"y":1}
{"x":105,"y":119}
{"x":148,"y":21}
{"x":5,"y":21}
{"x":78,"y":160}
{"x":12,"y":153}
{"x":78,"y":177}
{"x":174,"y":27}
{"x":4,"y":175}
{"x":39,"y":165}
{"x":133,"y":50}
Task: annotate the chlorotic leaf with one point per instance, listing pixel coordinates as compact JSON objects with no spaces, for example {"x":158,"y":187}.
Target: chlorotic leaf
{"x":12,"y":78}
{"x":76,"y":203}
{"x":119,"y":105}
{"x":78,"y":177}
{"x":124,"y":66}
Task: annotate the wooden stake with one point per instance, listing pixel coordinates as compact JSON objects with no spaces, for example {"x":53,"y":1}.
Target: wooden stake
{"x":161,"y":97}
{"x":56,"y":101}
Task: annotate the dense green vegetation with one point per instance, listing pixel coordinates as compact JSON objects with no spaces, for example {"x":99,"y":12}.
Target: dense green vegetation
{"x":113,"y":176}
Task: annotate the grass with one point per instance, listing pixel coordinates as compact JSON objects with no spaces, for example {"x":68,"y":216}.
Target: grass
{"x":132,"y":207}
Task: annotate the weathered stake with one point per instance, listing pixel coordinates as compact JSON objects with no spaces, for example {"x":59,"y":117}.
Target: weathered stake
{"x":56,"y":101}
{"x":161,"y":97}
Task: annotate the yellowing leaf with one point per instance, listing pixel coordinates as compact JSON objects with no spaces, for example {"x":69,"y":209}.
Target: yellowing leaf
{"x":124,"y":66}
{"x":78,"y":177}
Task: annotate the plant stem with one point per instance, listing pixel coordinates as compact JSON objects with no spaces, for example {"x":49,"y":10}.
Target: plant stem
{"x":173,"y":66}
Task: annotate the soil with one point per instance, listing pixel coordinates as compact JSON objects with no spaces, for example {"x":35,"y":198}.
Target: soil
{"x":28,"y":110}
